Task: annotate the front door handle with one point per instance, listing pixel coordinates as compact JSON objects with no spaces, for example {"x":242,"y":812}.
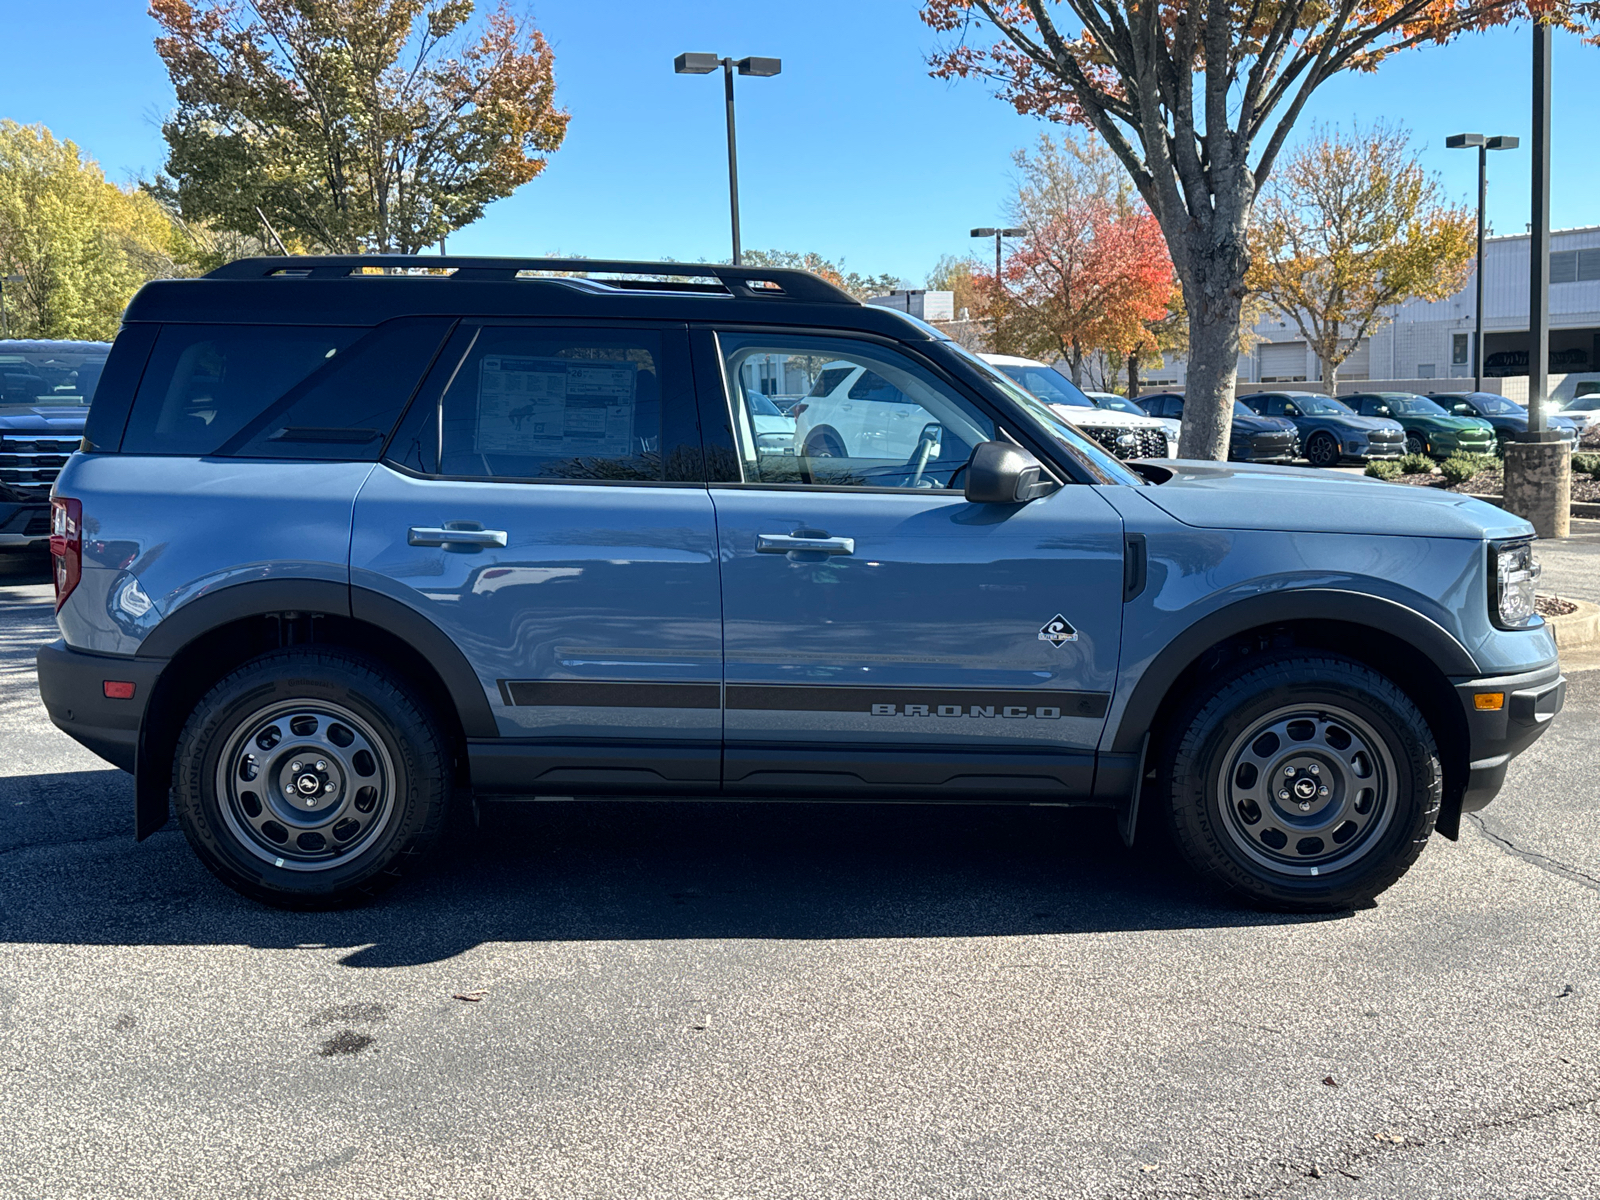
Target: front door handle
{"x":785,"y":543}
{"x":421,"y":535}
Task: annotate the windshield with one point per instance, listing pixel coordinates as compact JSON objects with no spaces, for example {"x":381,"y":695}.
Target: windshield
{"x":1102,"y":466}
{"x":50,"y":373}
{"x":1320,"y":406}
{"x":1241,"y":410}
{"x":1498,"y":406}
{"x":1582,"y":404}
{"x":1050,"y":386}
{"x":1117,"y":403}
{"x":1413,"y":406}
{"x":761,"y":406}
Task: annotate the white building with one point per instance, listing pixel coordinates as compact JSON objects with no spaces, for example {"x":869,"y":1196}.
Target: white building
{"x":1424,"y":340}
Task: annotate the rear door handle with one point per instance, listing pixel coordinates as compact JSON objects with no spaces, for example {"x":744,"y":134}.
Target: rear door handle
{"x":784,"y":543}
{"x":421,"y":535}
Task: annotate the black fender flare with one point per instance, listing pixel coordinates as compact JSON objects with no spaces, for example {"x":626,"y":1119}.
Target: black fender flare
{"x":263,"y":597}
{"x":1278,"y":608}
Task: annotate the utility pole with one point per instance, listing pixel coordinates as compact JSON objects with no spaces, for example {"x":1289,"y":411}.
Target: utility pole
{"x":1459,"y":141}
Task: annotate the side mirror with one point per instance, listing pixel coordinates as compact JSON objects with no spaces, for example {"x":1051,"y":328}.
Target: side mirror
{"x":1000,"y":473}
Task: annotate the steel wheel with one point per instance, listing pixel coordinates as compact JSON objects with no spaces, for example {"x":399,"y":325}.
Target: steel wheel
{"x":1306,"y":791}
{"x":305,"y":785}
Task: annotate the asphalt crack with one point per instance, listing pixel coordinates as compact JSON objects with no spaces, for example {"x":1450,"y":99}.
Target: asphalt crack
{"x":1554,"y":865}
{"x":1373,"y":1157}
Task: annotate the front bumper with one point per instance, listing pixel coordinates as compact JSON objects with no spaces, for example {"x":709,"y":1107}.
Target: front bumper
{"x":1495,"y":737}
{"x":24,"y":524}
{"x":72,"y":686}
{"x":1368,"y":450}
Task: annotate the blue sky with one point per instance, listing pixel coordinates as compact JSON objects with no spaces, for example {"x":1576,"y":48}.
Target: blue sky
{"x":853,"y":151}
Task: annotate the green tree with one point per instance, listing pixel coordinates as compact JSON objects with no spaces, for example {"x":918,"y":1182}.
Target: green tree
{"x":1350,"y":226}
{"x":354,"y":125}
{"x":1197,"y":101}
{"x":81,"y":246}
{"x":957,"y":274}
{"x":858,"y":285}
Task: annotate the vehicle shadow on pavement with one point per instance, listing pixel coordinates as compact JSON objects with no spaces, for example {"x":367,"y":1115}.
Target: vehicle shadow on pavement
{"x":586,"y":871}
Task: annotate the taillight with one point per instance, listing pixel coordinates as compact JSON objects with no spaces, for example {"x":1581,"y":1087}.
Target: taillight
{"x":66,"y":545}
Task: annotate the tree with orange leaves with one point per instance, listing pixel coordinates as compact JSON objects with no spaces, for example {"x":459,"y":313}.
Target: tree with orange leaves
{"x":354,"y":125}
{"x":1091,"y":271}
{"x":1196,"y":100}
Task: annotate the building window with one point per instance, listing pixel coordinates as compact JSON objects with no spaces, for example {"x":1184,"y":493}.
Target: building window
{"x":1426,"y":370}
{"x":1458,"y":348}
{"x":1575,"y":266}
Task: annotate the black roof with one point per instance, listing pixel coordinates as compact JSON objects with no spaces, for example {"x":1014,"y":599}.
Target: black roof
{"x":366,"y":289}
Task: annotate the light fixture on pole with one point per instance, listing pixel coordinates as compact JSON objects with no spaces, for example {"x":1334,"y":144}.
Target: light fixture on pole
{"x":704,"y":64}
{"x":997,"y":234}
{"x":1476,"y":141}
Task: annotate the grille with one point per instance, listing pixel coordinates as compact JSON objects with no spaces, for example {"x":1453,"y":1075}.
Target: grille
{"x":38,"y":525}
{"x":1150,"y":443}
{"x":32,"y":463}
{"x":1272,"y":445}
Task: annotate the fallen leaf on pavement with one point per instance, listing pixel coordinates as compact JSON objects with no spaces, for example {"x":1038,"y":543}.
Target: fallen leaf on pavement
{"x":1330,"y":1081}
{"x":473,"y":996}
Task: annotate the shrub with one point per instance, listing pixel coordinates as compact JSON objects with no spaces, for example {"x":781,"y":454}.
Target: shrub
{"x":1586,"y":463}
{"x":1380,"y":468}
{"x":1416,"y":464}
{"x":1459,"y":468}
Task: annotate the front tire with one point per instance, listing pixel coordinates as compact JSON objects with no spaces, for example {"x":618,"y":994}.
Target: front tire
{"x":1304,"y":782}
{"x":311,"y":779}
{"x":1415,"y":445}
{"x":1322,"y":450}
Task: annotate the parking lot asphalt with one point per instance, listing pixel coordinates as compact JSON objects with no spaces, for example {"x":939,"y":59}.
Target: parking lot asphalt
{"x":789,"y":1001}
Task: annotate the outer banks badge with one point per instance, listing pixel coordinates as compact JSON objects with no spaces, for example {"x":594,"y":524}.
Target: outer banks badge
{"x":1058,"y":631}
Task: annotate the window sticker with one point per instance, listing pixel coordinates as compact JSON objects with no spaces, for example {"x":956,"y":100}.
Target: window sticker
{"x":555,"y":406}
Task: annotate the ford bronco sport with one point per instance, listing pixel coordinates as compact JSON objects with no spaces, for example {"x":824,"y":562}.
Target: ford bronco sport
{"x":353,"y":539}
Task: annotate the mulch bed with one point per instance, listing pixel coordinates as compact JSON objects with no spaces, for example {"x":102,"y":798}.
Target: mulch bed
{"x":1553,"y":606}
{"x":1585,"y":488}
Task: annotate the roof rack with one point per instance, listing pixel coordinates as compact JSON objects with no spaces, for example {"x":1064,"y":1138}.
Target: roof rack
{"x":745,"y":283}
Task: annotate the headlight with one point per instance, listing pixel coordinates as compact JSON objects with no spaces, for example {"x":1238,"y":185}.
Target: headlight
{"x":1513,"y":576}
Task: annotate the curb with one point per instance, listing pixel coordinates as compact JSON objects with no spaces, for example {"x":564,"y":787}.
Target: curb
{"x":1577,"y":630}
{"x":1580,"y":508}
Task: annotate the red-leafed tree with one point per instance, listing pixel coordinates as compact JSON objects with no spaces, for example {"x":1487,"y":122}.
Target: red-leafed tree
{"x":1196,"y":99}
{"x":1090,"y":274}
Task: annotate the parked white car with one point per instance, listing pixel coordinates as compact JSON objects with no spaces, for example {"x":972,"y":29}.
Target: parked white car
{"x":1112,"y":402}
{"x":774,"y":431}
{"x":853,"y":412}
{"x":1584,"y":410}
{"x":1126,"y":434}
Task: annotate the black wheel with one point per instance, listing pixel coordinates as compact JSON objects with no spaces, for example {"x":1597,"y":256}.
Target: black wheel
{"x":1305,"y":783}
{"x":1415,"y":444}
{"x":1322,"y":450}
{"x":824,"y":443}
{"x":311,"y":779}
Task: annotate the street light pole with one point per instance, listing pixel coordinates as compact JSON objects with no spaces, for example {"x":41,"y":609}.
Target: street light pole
{"x":704,"y":64}
{"x":1483,"y":145}
{"x":1539,"y":247}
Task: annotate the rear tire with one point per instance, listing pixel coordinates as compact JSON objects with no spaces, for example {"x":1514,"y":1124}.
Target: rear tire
{"x":824,"y":443}
{"x":1303,"y":782}
{"x":311,"y":779}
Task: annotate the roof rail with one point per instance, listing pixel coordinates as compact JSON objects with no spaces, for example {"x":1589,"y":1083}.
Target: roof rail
{"x":746,"y":283}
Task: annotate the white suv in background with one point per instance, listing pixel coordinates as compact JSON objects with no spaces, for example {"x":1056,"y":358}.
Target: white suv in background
{"x":852,"y":412}
{"x":1125,"y":434}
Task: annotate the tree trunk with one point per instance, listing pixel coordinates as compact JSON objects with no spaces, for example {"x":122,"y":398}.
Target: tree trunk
{"x":1330,"y":371}
{"x":1075,"y":360}
{"x":1213,"y":364}
{"x":1133,"y":376}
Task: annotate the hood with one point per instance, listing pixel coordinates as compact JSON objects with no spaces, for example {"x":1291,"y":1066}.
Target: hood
{"x":43,"y":418}
{"x":1256,"y":423}
{"x":1212,"y":495}
{"x":1106,"y":418}
{"x":1352,"y":421}
{"x":1460,"y":424}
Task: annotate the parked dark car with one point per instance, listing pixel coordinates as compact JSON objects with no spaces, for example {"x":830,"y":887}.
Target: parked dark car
{"x":1330,"y":430}
{"x":45,"y":389}
{"x":1507,"y":416}
{"x":1430,"y":428}
{"x":1254,"y":439}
